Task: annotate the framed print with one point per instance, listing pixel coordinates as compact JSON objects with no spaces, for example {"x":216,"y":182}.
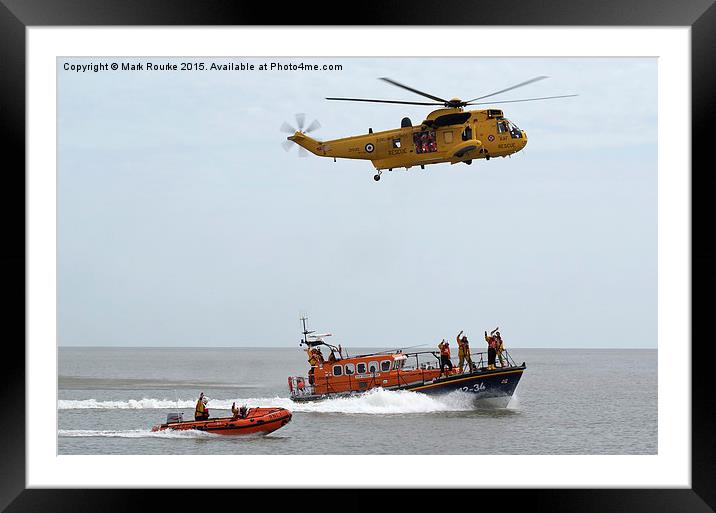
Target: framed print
{"x":205,"y":310}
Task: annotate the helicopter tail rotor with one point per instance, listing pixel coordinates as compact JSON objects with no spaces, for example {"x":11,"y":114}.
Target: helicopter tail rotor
{"x":299,"y":128}
{"x":300,"y":123}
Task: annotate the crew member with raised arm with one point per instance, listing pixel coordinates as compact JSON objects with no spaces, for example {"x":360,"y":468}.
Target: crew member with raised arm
{"x":444,"y":347}
{"x":499,"y":347}
{"x":464,"y":352}
{"x":201,"y":412}
{"x":491,"y":349}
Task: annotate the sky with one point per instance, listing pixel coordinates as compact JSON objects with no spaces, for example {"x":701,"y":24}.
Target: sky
{"x":183,"y":222}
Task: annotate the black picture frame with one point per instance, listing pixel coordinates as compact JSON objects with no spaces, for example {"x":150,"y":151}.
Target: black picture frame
{"x":17,"y":15}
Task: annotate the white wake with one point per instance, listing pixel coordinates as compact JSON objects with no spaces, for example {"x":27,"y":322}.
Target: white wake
{"x":132,"y":433}
{"x":378,"y":402}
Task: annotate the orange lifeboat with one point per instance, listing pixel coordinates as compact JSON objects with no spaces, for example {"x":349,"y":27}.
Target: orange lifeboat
{"x":341,"y":375}
{"x":257,"y":420}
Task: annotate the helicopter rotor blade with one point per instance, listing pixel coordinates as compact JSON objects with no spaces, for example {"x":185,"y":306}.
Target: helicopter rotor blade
{"x":300,"y":121}
{"x":535,"y":79}
{"x":287,"y":145}
{"x":407,"y":88}
{"x":288,"y":129}
{"x":522,"y":100}
{"x":383,"y":101}
{"x":315,"y":125}
{"x":302,"y":152}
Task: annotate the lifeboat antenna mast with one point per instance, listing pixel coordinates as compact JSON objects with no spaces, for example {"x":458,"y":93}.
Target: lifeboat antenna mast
{"x":305,"y":330}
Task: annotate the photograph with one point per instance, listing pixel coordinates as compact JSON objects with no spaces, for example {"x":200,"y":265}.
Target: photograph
{"x":418,"y":254}
{"x":357,"y":255}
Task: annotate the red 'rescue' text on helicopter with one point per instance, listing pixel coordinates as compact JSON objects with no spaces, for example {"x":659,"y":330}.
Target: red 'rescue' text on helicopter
{"x":449,"y":134}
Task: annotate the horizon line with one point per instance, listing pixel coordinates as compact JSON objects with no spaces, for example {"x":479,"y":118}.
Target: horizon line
{"x":293,"y":347}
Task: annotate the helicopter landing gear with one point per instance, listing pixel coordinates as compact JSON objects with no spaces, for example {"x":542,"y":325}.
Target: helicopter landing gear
{"x":377,"y":176}
{"x":422,"y":166}
{"x":468,"y":162}
{"x":487,"y":156}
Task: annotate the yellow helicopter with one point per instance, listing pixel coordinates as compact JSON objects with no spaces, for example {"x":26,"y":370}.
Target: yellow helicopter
{"x":449,"y":134}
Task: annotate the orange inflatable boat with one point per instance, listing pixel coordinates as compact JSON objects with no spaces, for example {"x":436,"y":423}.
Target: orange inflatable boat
{"x":257,"y":420}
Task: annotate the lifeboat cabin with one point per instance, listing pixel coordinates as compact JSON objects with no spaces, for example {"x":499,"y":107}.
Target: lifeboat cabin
{"x":333,"y":373}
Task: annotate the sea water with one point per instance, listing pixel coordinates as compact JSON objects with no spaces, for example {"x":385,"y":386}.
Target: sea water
{"x":569,"y":401}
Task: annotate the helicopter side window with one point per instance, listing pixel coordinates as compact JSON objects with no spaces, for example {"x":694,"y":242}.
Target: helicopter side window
{"x":396,"y":142}
{"x":467,"y":133}
{"x":425,"y":141}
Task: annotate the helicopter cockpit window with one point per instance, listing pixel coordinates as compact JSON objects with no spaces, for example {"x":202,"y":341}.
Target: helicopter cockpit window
{"x":396,"y":142}
{"x":515,"y":132}
{"x":425,"y":141}
{"x":502,"y":127}
{"x":467,"y":134}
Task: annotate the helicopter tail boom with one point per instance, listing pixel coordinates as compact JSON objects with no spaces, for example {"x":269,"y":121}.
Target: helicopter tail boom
{"x":311,"y":144}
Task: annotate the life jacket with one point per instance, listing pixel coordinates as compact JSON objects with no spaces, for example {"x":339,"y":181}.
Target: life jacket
{"x":491,"y":342}
{"x":200,"y":409}
{"x":464,"y":345}
{"x":312,"y":358}
{"x":444,"y":349}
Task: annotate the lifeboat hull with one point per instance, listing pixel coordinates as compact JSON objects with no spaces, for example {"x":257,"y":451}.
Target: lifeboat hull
{"x":491,"y":388}
{"x":487,"y":388}
{"x":258,"y":420}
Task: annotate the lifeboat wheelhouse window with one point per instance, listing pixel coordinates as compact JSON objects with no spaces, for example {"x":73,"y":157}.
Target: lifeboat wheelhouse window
{"x":337,"y":370}
{"x":398,"y":364}
{"x":350,"y":368}
{"x":373,"y":367}
{"x":385,"y":365}
{"x":361,"y":368}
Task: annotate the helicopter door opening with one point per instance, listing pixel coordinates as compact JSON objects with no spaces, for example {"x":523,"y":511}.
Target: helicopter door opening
{"x":425,"y":141}
{"x":467,"y":133}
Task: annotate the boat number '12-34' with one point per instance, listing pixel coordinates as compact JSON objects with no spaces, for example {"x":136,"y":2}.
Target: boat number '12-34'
{"x":477,"y":387}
